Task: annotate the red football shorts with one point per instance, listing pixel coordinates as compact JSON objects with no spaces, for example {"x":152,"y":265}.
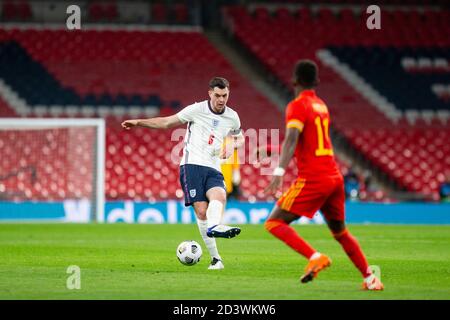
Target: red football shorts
{"x":306,"y":196}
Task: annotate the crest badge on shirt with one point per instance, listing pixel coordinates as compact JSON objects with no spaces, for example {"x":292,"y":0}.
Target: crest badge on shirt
{"x":193,"y":193}
{"x":215,"y":123}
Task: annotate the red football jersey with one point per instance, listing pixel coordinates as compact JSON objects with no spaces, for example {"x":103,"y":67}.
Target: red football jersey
{"x":314,"y":151}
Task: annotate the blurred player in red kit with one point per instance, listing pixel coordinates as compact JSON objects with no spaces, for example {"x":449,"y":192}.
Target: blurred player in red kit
{"x":319,"y":185}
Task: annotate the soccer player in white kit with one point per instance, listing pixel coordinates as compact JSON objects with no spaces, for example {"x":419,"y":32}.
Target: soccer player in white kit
{"x":208,"y":123}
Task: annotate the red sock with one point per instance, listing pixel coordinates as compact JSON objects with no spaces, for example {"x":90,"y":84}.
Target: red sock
{"x":354,"y":252}
{"x":287,"y":234}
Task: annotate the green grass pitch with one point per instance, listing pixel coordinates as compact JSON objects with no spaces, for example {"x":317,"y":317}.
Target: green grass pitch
{"x":121,"y":261}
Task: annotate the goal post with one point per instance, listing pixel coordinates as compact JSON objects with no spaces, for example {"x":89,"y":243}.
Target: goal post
{"x":52,"y":161}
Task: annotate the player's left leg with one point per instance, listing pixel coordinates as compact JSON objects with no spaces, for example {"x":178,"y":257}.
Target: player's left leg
{"x":216,"y":194}
{"x":200,"y":208}
{"x":278,"y":225}
{"x":334,"y":212}
{"x":217,"y":200}
{"x":350,"y":245}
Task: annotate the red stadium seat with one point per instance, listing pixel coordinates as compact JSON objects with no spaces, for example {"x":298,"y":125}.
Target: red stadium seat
{"x":181,"y":13}
{"x":24,"y":11}
{"x":262,"y":14}
{"x":96,"y":12}
{"x":139,"y":163}
{"x":354,"y":116}
{"x":9,"y":10}
{"x":158,"y":13}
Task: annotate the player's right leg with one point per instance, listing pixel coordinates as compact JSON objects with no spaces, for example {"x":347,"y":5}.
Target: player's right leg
{"x":278,"y":225}
{"x":217,"y":197}
{"x":200,"y":208}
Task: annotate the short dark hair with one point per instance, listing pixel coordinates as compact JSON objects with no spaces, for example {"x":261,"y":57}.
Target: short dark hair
{"x":306,"y":73}
{"x":222,"y":83}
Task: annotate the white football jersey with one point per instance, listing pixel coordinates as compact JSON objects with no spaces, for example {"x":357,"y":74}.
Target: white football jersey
{"x":206,"y":132}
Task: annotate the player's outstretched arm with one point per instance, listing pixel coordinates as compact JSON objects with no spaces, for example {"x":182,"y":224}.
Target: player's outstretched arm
{"x":153,"y":123}
{"x":287,"y":151}
{"x":288,"y":147}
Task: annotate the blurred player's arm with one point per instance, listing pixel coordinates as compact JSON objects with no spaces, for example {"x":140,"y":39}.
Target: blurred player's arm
{"x":288,"y":147}
{"x":287,"y":151}
{"x":153,"y":123}
{"x":266,"y":151}
{"x":236,"y":139}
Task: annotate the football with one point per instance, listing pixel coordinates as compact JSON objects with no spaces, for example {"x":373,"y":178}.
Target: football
{"x":189,"y":252}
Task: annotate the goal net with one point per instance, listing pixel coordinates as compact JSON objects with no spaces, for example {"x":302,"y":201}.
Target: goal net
{"x":52,"y":169}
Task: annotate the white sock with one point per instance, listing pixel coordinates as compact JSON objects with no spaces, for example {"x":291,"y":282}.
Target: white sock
{"x":209,"y":242}
{"x":214,"y":213}
{"x":315,"y":255}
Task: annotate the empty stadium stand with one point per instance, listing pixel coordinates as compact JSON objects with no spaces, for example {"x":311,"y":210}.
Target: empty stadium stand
{"x":395,"y":90}
{"x":117,"y":74}
{"x":61,"y":74}
{"x":16,"y":11}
